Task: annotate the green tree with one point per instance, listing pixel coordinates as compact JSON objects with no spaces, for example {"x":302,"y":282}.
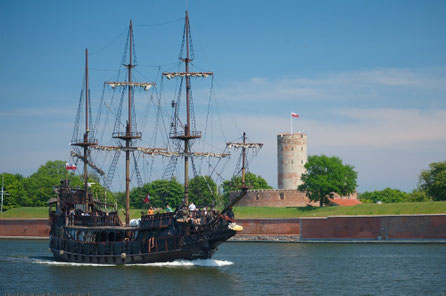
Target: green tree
{"x":417,"y":196}
{"x":40,"y":184}
{"x":203,"y":191}
{"x":433,"y":181}
{"x":252,"y":180}
{"x":387,"y":195}
{"x":325,"y":176}
{"x":162,"y":192}
{"x":16,"y":194}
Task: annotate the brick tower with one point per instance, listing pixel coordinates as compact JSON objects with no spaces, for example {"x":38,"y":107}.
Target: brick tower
{"x":291,"y":158}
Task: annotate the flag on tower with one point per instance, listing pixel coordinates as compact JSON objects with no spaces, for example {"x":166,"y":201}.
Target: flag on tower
{"x":147,"y":198}
{"x":70,"y":166}
{"x":294,"y":114}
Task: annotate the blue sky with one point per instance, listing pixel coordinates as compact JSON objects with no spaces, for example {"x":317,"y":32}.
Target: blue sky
{"x":367,"y":77}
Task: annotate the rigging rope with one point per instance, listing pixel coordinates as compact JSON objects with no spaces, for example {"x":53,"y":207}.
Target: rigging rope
{"x":162,"y":24}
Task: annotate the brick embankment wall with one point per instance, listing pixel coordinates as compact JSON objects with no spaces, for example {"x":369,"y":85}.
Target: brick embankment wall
{"x":24,"y":227}
{"x":379,"y":228}
{"x":375,"y":227}
{"x":269,"y":226}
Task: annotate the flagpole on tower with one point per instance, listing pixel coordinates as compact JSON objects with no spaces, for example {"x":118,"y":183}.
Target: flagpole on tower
{"x":291,"y":124}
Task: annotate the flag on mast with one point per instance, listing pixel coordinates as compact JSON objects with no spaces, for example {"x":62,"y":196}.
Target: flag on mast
{"x":70,"y":166}
{"x":294,"y":114}
{"x":147,"y":198}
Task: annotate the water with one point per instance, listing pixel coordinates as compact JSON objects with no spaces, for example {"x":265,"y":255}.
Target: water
{"x":26,"y":266}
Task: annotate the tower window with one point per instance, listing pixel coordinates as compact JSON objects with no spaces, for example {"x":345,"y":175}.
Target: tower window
{"x":292,"y":148}
{"x":282,"y":196}
{"x":301,"y":148}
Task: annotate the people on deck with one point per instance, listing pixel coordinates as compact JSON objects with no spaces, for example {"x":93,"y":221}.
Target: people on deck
{"x":169,"y":209}
{"x":150,"y":211}
{"x":192,"y":207}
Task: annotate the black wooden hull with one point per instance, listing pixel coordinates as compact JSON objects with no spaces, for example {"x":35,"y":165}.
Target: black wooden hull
{"x":203,"y":249}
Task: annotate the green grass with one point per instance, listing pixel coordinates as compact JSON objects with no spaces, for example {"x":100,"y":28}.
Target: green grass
{"x":25,"y":213}
{"x":438,"y":207}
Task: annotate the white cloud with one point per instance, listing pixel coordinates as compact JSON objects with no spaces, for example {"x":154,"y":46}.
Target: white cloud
{"x":376,"y":84}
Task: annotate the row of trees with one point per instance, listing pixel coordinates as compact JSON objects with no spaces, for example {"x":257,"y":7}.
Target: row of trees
{"x":431,"y":186}
{"x":324,"y":176}
{"x":37,"y":189}
{"x":328,"y":175}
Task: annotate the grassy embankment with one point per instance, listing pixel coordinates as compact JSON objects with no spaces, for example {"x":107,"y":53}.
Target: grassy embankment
{"x":438,"y":207}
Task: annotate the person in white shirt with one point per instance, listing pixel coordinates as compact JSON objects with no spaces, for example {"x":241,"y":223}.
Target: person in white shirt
{"x":192,"y":207}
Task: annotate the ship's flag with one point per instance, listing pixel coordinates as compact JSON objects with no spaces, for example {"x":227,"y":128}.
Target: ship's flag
{"x":70,"y":166}
{"x":147,"y":198}
{"x":294,"y":114}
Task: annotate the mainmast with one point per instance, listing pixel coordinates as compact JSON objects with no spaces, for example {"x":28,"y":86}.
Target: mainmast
{"x":129,"y":135}
{"x":188,"y":134}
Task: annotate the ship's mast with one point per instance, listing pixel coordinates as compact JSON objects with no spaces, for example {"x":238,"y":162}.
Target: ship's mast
{"x":86,"y":142}
{"x":86,"y":132}
{"x":244,"y":146}
{"x":243,"y":159}
{"x":187,"y":127}
{"x":129,"y":135}
{"x":189,"y":133}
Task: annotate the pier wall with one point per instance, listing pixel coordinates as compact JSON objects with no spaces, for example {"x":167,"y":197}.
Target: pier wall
{"x":407,"y":227}
{"x":24,"y":227}
{"x":379,"y":228}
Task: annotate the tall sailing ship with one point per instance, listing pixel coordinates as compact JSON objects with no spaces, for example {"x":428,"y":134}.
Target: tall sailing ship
{"x":83,"y":231}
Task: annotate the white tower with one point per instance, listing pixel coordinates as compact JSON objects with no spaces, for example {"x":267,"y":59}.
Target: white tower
{"x":291,"y":158}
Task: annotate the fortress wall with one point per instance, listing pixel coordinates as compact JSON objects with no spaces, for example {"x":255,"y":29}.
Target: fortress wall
{"x":416,"y":227}
{"x":24,"y":227}
{"x":278,"y":198}
{"x":269,"y":226}
{"x":375,"y":227}
{"x":274,"y":198}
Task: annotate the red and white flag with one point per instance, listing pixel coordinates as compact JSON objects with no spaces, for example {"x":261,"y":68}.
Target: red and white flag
{"x":147,"y":198}
{"x":294,"y":114}
{"x":70,"y":166}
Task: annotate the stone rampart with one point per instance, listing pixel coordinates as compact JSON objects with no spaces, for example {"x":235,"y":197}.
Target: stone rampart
{"x":24,"y":227}
{"x":278,"y":198}
{"x":379,"y":228}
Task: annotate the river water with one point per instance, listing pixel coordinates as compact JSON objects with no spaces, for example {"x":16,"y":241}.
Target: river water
{"x":27,"y":267}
